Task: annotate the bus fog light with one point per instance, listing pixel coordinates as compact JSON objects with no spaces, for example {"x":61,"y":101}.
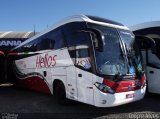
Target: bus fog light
{"x":104,"y":88}
{"x":104,"y":101}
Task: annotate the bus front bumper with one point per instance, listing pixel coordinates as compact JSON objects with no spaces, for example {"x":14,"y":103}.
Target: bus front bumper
{"x":110,"y":100}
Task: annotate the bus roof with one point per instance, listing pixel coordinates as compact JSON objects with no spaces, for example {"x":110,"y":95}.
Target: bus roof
{"x":145,"y":25}
{"x":80,"y":18}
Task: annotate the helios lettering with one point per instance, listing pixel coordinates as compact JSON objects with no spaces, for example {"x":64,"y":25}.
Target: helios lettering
{"x":9,"y":43}
{"x":46,"y":61}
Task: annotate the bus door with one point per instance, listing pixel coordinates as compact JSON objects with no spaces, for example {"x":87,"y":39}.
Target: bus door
{"x":71,"y":82}
{"x":151,"y":61}
{"x":154,"y":68}
{"x":84,"y":77}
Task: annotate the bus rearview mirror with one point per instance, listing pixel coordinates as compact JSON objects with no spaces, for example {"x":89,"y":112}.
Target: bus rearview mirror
{"x":98,"y":38}
{"x":150,"y":42}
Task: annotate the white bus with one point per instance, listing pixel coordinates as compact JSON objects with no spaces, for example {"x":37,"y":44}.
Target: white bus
{"x":148,"y":37}
{"x":82,"y":58}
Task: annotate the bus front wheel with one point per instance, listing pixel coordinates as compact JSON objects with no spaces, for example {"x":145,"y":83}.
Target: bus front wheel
{"x":60,"y":93}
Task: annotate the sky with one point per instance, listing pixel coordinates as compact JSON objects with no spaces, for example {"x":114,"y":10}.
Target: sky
{"x":23,"y":15}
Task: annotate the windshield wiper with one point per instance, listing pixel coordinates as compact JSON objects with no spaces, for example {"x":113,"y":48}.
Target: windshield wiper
{"x":117,"y":77}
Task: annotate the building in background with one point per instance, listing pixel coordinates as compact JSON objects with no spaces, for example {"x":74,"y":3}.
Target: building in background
{"x":9,"y":40}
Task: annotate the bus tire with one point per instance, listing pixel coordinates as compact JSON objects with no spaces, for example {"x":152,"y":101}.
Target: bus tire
{"x":147,"y":90}
{"x":60,"y":93}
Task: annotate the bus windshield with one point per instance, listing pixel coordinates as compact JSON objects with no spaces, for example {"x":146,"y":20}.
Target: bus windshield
{"x":133,"y":52}
{"x":112,"y":60}
{"x":120,"y":53}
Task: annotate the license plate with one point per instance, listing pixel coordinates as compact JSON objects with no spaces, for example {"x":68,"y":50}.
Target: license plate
{"x":130,"y":95}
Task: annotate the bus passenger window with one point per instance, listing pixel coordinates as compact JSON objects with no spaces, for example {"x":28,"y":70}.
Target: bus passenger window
{"x":74,"y":36}
{"x":52,"y":43}
{"x":83,"y":57}
{"x":46,"y":44}
{"x":56,"y":39}
{"x":72,"y":53}
{"x":59,"y":43}
{"x":29,"y":47}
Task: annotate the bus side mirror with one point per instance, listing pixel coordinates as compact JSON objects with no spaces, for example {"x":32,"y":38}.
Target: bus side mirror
{"x":153,"y":49}
{"x":150,"y":42}
{"x":99,"y":41}
{"x":98,"y":38}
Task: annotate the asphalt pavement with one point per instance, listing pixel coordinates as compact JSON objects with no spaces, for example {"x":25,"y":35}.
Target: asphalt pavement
{"x":22,"y":103}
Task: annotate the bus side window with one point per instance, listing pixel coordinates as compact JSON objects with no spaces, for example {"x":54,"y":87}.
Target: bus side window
{"x":51,"y":40}
{"x":72,"y":53}
{"x":52,"y":44}
{"x":74,"y":36}
{"x":56,"y":37}
{"x":45,"y":44}
{"x":29,"y":47}
{"x":83,"y":58}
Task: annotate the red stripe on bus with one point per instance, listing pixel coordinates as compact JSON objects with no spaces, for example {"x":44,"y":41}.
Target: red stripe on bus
{"x":34,"y":83}
{"x":124,"y":86}
{"x":2,"y":53}
{"x":12,"y":54}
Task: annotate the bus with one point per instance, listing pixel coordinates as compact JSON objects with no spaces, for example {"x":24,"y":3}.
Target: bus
{"x":148,"y":38}
{"x":83,"y":58}
{"x":2,"y":67}
{"x":9,"y":40}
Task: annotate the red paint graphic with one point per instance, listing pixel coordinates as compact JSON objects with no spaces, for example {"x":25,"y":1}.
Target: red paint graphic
{"x":34,"y":83}
{"x":46,"y":61}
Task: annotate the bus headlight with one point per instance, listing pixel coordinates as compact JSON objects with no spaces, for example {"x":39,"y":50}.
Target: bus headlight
{"x":104,"y":88}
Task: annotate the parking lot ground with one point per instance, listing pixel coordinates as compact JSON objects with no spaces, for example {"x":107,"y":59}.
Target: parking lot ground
{"x":22,"y":103}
